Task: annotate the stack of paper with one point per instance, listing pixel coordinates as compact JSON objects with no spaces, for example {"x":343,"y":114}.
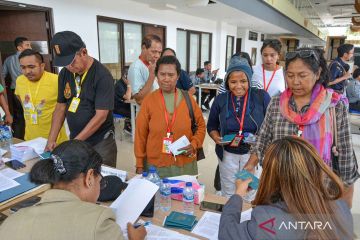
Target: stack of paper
{"x":157,"y":233}
{"x":107,"y":171}
{"x":208,"y":225}
{"x":28,"y":150}
{"x":138,"y":194}
{"x":7,"y":183}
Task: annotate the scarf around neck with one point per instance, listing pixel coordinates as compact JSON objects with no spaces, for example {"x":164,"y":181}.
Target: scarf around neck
{"x":317,"y":120}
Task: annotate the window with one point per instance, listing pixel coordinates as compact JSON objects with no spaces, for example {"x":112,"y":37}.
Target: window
{"x":193,"y":48}
{"x":229,"y":49}
{"x":132,"y":42}
{"x":120,"y":42}
{"x":262,"y":37}
{"x":253,"y":36}
{"x":109,"y":46}
{"x":181,"y":46}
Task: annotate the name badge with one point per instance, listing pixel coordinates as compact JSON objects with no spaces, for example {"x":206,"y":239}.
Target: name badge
{"x":236,"y":141}
{"x":75,"y":102}
{"x":167,"y":141}
{"x":34,"y":118}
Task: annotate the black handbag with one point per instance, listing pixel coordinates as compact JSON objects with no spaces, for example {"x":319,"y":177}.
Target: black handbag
{"x":200,"y":155}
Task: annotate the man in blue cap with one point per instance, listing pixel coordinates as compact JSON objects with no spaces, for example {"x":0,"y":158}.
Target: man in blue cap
{"x":85,"y":98}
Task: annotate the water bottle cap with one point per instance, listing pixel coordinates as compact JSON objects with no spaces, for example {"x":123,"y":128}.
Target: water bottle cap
{"x":152,"y":170}
{"x":145,"y":174}
{"x":165,"y":180}
{"x":189,"y":184}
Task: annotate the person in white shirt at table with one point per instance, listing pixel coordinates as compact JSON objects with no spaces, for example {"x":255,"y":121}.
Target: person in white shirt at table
{"x":269,"y":75}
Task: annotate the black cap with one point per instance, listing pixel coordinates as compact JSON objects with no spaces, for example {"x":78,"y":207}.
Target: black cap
{"x":113,"y":189}
{"x":65,"y":45}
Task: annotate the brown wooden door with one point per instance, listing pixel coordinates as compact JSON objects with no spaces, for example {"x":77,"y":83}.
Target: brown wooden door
{"x":157,"y":30}
{"x":30,"y":24}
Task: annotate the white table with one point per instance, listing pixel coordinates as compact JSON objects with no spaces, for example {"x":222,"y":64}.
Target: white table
{"x":210,"y":86}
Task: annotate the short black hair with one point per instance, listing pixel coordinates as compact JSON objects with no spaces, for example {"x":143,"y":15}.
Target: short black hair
{"x":272,"y":43}
{"x":19,"y":40}
{"x":356,"y":73}
{"x":76,"y":157}
{"x":168,"y":49}
{"x":30,"y":52}
{"x":345,"y":48}
{"x":206,"y":63}
{"x":168,"y":60}
{"x":199,"y":71}
{"x":148,"y":39}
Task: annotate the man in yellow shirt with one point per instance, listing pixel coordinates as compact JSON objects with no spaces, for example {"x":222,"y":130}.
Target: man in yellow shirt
{"x":37,"y":91}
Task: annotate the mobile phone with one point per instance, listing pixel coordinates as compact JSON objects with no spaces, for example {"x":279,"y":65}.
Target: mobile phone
{"x":211,"y":206}
{"x":26,"y":203}
{"x":15,"y":164}
{"x":45,"y":155}
{"x":227,"y":138}
{"x":243,"y":175}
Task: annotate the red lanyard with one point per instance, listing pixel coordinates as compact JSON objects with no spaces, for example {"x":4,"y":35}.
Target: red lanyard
{"x":272,"y":77}
{"x":241,"y":122}
{"x":167,"y":114}
{"x":147,"y":64}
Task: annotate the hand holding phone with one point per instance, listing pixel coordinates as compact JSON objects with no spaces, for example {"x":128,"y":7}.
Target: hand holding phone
{"x":244,"y":174}
{"x":227,"y":139}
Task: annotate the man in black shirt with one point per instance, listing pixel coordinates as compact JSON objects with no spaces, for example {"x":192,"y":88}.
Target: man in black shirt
{"x":85,"y":97}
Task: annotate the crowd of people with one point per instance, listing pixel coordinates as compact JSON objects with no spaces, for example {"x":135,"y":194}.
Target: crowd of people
{"x":289,"y":126}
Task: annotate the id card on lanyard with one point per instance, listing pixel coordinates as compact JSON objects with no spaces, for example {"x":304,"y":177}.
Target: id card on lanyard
{"x":237,"y":139}
{"x":266,"y":88}
{"x":168,"y":140}
{"x":30,"y":106}
{"x":75,"y":102}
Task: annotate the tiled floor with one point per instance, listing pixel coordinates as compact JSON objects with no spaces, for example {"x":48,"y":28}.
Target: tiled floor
{"x":126,"y":161}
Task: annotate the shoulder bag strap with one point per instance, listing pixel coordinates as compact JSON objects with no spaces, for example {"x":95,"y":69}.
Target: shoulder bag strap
{"x":191,"y":110}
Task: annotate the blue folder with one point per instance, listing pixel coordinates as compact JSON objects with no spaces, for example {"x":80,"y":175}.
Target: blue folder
{"x":25,"y":185}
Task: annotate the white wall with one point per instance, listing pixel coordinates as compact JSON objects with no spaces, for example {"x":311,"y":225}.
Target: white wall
{"x":80,"y":16}
{"x":247,"y":45}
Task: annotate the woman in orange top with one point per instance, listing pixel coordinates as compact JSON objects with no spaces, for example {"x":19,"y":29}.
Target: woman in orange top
{"x":164,"y":118}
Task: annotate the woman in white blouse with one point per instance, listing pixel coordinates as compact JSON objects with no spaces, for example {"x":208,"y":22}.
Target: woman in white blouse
{"x":269,"y":75}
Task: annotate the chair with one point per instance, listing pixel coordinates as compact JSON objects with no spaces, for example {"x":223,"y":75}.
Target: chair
{"x":119,"y":122}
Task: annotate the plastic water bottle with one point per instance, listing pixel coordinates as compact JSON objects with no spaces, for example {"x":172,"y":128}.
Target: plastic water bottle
{"x":188,"y":199}
{"x":6,"y":137}
{"x":154,"y":178}
{"x":165,"y":195}
{"x":145,"y":175}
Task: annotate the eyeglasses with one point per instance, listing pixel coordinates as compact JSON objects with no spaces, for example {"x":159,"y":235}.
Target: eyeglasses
{"x":302,"y":54}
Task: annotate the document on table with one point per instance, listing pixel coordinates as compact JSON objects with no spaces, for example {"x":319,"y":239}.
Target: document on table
{"x":208,"y":226}
{"x":106,"y":171}
{"x":246,"y":215}
{"x":180,"y":143}
{"x":7,"y":183}
{"x":38,"y":144}
{"x":11,"y":173}
{"x":156,"y":232}
{"x":137,"y":195}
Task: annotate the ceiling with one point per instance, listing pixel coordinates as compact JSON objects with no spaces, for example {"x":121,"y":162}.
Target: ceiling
{"x":332,"y":17}
{"x":216,"y":12}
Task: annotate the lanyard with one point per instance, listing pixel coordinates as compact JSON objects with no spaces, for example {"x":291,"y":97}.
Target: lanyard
{"x":167,"y":114}
{"x":272,"y":77}
{"x":79,"y":82}
{"x":241,"y":122}
{"x":36,"y":92}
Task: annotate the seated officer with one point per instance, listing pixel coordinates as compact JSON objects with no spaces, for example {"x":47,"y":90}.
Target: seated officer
{"x":68,"y":209}
{"x":37,"y":90}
